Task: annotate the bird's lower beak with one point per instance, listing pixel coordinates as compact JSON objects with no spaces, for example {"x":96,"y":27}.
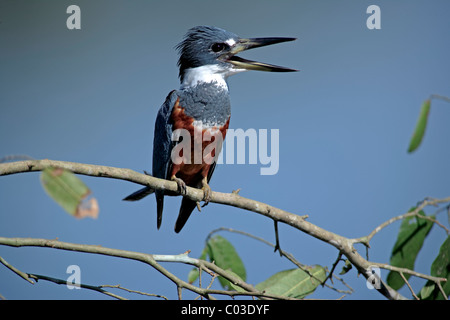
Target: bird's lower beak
{"x":246,"y":44}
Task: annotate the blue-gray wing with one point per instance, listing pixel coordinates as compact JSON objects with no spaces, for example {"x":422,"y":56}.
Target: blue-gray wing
{"x":162,"y":148}
{"x":162,"y":141}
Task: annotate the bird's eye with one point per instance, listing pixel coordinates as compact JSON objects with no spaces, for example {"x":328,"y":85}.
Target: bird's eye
{"x":217,"y":47}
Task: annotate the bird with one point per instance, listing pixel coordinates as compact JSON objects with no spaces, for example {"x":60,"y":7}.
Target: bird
{"x":207,"y":57}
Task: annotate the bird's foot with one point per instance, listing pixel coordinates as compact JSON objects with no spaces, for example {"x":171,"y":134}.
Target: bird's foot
{"x":181,"y":185}
{"x":206,"y":191}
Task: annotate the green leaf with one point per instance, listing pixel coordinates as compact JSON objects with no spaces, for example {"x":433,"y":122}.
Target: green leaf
{"x":234,"y":286}
{"x":410,"y":239}
{"x":420,"y":126}
{"x":222,"y":252}
{"x":69,"y":192}
{"x":294,"y":283}
{"x":426,"y":293}
{"x":347,"y":267}
{"x":440,"y":268}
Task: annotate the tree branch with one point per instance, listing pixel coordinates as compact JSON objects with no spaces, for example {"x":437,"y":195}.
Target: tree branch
{"x":81,"y":285}
{"x":149,"y":259}
{"x":343,"y":244}
{"x":414,"y":213}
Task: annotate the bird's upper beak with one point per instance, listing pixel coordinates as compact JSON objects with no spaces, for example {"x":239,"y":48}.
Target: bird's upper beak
{"x":246,"y":44}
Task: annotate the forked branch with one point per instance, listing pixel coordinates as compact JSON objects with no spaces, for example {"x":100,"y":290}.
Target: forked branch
{"x":342,"y":244}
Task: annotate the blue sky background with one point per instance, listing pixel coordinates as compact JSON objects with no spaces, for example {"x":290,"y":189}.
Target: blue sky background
{"x":345,"y":121}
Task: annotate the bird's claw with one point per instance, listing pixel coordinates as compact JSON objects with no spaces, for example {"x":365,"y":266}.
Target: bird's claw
{"x":206,"y":192}
{"x":181,"y":185}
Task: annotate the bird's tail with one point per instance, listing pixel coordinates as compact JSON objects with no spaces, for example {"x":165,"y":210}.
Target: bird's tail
{"x":187,"y":206}
{"x":159,"y":207}
{"x":138,"y":195}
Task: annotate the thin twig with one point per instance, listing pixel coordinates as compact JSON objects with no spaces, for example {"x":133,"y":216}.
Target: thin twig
{"x":415,"y":213}
{"x":442,"y":290}
{"x":149,"y":259}
{"x":81,"y":285}
{"x":277,"y":238}
{"x":16,"y":271}
{"x":408,"y":271}
{"x":409,"y":286}
{"x":288,"y":255}
{"x":285,"y":254}
{"x":117,"y":286}
{"x":330,"y":274}
{"x":440,"y":97}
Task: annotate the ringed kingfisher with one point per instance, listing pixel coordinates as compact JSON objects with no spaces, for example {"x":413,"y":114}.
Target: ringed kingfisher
{"x":202,"y":106}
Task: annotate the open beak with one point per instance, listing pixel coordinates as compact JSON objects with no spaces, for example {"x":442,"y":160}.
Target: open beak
{"x":246,"y":44}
